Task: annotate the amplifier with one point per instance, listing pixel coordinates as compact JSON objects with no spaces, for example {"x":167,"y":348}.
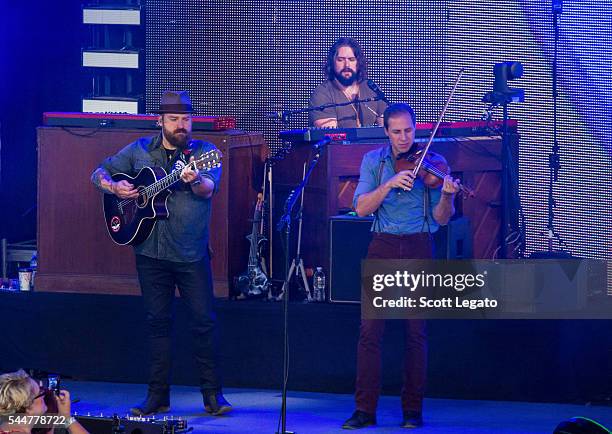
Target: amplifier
{"x":349,"y":237}
{"x":127,"y":121}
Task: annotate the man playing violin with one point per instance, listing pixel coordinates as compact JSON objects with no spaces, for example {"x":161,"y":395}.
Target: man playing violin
{"x":176,"y":253}
{"x":407,"y":213}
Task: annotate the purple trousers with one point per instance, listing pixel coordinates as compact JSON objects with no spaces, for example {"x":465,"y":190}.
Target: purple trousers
{"x":368,"y":383}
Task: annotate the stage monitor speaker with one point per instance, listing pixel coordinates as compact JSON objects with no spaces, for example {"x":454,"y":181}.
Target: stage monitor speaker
{"x":349,"y":237}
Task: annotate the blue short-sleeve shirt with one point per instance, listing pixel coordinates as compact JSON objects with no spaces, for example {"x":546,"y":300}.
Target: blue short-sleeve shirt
{"x":401,"y":212}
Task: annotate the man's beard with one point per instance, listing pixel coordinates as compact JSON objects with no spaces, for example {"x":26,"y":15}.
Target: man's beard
{"x":346,"y":81}
{"x":178,"y":140}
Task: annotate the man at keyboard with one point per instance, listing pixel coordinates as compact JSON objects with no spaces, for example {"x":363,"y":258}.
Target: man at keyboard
{"x":346,"y":69}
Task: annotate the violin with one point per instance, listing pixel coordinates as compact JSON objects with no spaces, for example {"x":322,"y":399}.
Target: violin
{"x":427,"y":165}
{"x":433,"y":169}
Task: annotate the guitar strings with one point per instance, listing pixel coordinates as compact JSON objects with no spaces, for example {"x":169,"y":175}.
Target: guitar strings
{"x":153,"y":187}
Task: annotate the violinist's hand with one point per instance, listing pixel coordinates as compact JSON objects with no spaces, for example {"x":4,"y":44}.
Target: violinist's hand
{"x":124,"y":190}
{"x":450,"y":186}
{"x":188,"y":175}
{"x":403,"y":180}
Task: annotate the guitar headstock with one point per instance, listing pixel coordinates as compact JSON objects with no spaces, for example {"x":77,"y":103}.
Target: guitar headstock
{"x":208,"y":160}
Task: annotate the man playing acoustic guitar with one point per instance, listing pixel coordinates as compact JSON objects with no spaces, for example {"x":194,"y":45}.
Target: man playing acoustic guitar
{"x":175,"y":254}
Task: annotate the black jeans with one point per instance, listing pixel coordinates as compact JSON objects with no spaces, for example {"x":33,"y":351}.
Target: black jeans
{"x":158,"y":279}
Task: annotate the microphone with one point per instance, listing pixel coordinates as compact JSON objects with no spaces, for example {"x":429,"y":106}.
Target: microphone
{"x":377,"y":91}
{"x":318,"y":147}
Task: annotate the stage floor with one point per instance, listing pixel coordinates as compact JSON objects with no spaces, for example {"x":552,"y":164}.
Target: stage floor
{"x":257,"y":411}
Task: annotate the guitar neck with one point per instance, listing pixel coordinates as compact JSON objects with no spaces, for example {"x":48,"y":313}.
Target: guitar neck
{"x":166,"y":182}
{"x":254,"y":239}
{"x":209,"y":160}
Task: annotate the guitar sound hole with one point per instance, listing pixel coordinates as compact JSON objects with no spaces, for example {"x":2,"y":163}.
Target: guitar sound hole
{"x":142,"y":199}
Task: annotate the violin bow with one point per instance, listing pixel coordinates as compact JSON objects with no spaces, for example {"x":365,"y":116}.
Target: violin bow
{"x":435,"y":130}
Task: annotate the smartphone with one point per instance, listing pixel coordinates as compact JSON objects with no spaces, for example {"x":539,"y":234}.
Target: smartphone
{"x":54,"y":384}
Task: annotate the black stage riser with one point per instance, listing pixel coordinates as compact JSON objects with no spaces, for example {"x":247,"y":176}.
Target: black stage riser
{"x":102,"y":338}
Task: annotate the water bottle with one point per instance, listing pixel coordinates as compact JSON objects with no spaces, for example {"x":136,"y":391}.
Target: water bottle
{"x":318,"y":285}
{"x":33,"y":266}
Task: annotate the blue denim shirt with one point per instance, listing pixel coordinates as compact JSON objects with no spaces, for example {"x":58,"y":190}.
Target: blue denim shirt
{"x":183,"y":236}
{"x":401,"y":212}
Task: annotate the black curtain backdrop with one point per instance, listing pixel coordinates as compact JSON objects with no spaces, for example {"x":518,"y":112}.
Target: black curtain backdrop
{"x":40,"y":49}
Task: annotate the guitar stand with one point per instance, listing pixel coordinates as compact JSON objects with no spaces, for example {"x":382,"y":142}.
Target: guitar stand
{"x":299,"y":270}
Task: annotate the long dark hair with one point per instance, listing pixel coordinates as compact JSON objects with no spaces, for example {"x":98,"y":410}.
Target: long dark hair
{"x":362,"y":62}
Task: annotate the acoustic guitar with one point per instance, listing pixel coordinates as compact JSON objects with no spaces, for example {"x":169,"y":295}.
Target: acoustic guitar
{"x":131,"y":221}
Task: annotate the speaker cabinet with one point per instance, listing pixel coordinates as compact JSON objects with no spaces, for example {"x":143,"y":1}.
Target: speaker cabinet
{"x":349,"y":238}
{"x":454,"y":241}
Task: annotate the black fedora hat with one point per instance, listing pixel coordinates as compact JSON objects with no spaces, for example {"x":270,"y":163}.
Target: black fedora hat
{"x":174,"y":102}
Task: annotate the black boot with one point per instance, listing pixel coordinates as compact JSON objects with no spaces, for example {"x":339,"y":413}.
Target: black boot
{"x":215,"y":403}
{"x":412,"y":419}
{"x":359,"y":419}
{"x":154,"y":403}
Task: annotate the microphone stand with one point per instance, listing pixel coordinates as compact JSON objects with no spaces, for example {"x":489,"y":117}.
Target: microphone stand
{"x":297,"y":265}
{"x":284,"y":226}
{"x":554,"y":162}
{"x":511,"y":210}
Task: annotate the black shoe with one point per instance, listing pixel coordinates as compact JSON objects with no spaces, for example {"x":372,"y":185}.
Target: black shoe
{"x":215,"y":403}
{"x":359,"y":419}
{"x":154,"y":403}
{"x":412,"y":419}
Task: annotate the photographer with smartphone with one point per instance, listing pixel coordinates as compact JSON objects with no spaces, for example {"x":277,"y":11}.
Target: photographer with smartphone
{"x":25,"y":406}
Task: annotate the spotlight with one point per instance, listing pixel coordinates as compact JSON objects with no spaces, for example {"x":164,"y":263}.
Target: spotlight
{"x":128,"y":59}
{"x":580,"y":425}
{"x":110,"y":105}
{"x":113,"y":56}
{"x":502,"y":93}
{"x":112,"y":16}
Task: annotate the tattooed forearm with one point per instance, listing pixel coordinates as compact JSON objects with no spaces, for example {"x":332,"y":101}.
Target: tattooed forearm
{"x":102,"y":179}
